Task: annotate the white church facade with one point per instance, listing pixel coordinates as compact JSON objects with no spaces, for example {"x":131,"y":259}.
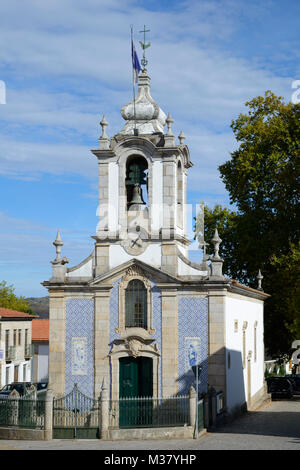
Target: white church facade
{"x":137,"y":312}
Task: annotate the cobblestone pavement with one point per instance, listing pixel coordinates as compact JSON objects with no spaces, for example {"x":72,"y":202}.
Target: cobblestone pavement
{"x":275,"y":426}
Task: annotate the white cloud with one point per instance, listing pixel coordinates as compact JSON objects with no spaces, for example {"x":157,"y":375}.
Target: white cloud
{"x":202,"y":84}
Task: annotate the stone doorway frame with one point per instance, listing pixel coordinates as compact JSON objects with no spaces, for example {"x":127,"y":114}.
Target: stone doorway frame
{"x":133,"y":347}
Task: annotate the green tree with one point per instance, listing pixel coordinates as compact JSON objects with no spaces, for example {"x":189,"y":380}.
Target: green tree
{"x":263,"y":181}
{"x":8,"y":299}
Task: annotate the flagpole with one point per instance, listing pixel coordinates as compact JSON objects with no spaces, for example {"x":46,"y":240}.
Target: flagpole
{"x":133,"y":85}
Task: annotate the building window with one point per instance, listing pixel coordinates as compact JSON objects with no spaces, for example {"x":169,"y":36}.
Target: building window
{"x":245,"y":324}
{"x":135,"y":301}
{"x":26,"y":337}
{"x":15,"y":337}
{"x":16,"y":374}
{"x":136,"y":304}
{"x":255,"y":341}
{"x":19,"y":337}
{"x":6,"y":342}
{"x":7,"y":375}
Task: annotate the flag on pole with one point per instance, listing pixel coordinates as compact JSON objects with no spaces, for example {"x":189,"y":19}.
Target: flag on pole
{"x":135,"y":64}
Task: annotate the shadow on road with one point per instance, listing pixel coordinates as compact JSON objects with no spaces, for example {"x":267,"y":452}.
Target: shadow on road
{"x":271,"y":421}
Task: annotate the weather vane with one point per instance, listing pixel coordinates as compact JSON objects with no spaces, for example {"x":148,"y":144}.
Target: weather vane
{"x":144,"y":46}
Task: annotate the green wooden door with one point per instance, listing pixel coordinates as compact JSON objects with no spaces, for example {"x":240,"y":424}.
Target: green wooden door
{"x":135,"y":380}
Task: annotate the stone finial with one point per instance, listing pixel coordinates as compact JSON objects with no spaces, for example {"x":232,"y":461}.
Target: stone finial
{"x":216,"y":260}
{"x":58,"y":244}
{"x":259,"y":278}
{"x":104,"y":140}
{"x":169,"y":136}
{"x":216,"y":240}
{"x":58,"y":265}
{"x":169,"y":122}
{"x":104,"y":385}
{"x":104,"y":124}
{"x":181,"y":138}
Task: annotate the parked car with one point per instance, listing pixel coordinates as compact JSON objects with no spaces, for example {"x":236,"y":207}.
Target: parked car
{"x":21,"y":388}
{"x":41,"y":388}
{"x":280,"y":387}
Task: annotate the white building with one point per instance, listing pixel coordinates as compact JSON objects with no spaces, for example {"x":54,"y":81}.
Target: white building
{"x":15,"y":346}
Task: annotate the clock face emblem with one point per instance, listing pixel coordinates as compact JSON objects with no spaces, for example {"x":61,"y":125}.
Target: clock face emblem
{"x":136,"y":242}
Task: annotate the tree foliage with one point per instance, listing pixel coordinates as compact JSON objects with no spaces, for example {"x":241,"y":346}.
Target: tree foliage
{"x":9,"y":300}
{"x":263,"y":181}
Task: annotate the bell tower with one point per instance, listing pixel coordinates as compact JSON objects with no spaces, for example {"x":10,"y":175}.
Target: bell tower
{"x":142,"y":188}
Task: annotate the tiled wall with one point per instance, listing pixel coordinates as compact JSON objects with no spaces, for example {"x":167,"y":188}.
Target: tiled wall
{"x":192,"y":328}
{"x":192,"y":323}
{"x":80,"y":324}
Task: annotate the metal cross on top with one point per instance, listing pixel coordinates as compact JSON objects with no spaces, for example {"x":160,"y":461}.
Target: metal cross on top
{"x":144,"y":46}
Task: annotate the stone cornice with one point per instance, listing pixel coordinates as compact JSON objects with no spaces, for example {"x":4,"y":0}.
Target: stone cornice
{"x":103,"y":154}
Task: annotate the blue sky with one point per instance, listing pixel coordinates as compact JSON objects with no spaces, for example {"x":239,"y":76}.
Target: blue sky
{"x":67,"y":63}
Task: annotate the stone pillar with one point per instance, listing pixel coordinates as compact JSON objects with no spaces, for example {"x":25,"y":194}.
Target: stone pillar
{"x":169,"y":353}
{"x":48,"y":415}
{"x":169,"y":200}
{"x":192,"y":404}
{"x":217,"y":349}
{"x":101,"y":339}
{"x":103,"y":412}
{"x":57,"y":341}
{"x":102,"y":212}
{"x":101,"y":258}
{"x":169,"y":258}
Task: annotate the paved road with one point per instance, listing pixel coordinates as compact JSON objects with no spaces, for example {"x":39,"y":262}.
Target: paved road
{"x":275,"y":426}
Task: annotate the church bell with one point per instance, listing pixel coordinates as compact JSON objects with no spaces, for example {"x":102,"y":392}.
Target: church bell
{"x":137,"y":195}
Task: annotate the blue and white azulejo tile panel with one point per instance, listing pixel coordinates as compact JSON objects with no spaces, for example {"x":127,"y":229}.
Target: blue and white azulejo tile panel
{"x":192,"y":342}
{"x":79,"y":367}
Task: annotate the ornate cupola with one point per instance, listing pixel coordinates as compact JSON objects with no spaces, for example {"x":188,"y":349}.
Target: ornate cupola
{"x":142,"y":113}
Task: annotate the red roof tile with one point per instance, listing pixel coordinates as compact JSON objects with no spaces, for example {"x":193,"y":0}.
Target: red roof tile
{"x":40,"y":329}
{"x":8,"y":313}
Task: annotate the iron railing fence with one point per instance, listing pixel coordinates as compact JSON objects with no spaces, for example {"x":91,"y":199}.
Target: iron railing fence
{"x":75,"y":414}
{"x":29,"y":350}
{"x":149,"y":412}
{"x":22,"y":412}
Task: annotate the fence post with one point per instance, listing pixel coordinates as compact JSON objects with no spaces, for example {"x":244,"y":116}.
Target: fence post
{"x":103,"y":411}
{"x":48,"y":415}
{"x":193,"y":404}
{"x":15,"y":397}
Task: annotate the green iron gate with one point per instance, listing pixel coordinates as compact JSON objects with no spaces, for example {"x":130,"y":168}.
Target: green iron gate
{"x":75,"y":416}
